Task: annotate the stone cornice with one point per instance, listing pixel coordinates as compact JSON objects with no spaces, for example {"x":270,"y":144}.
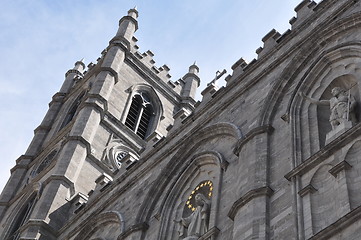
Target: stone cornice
{"x":338,"y":226}
{"x":73,"y":71}
{"x":210,"y":234}
{"x":251,"y":134}
{"x":325,"y":152}
{"x":131,"y":19}
{"x":344,"y":165}
{"x":192,"y":75}
{"x":111,"y":71}
{"x":43,"y":226}
{"x":307,"y":190}
{"x":61,"y":178}
{"x":246,"y":198}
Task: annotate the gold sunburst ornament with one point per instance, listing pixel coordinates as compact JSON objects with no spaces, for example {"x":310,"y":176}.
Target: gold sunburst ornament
{"x":205,"y":187}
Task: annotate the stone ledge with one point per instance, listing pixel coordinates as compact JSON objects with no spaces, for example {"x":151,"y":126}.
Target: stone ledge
{"x":135,"y":228}
{"x":325,"y":152}
{"x":43,"y":226}
{"x":246,"y":198}
{"x":251,"y":134}
{"x":339,"y":225}
{"x":339,"y":167}
{"x":307,"y":190}
{"x":210,"y":234}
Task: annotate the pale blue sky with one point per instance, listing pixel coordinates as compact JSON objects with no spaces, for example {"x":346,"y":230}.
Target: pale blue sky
{"x":41,"y":39}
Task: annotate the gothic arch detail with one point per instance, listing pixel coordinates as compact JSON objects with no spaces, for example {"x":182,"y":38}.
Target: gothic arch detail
{"x":305,"y":55}
{"x":118,"y":155}
{"x":21,"y":213}
{"x":72,"y":110}
{"x":44,"y":163}
{"x":200,"y":180}
{"x":107,"y":226}
{"x":324,"y":211}
{"x":178,"y":162}
{"x":339,"y":66}
{"x":143,"y":110}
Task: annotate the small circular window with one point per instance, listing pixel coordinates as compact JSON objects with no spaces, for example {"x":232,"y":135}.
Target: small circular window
{"x":46,"y":162}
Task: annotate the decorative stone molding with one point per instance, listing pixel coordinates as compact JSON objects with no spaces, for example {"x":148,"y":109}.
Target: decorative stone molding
{"x":118,"y":155}
{"x":339,"y":225}
{"x":211,"y":234}
{"x":135,"y":228}
{"x":78,"y":201}
{"x":45,"y":163}
{"x":43,"y":226}
{"x":246,"y":198}
{"x":103,"y":181}
{"x":339,"y":167}
{"x":154,"y":137}
{"x":22,"y":162}
{"x":325,"y":152}
{"x":251,"y":134}
{"x":88,"y":228}
{"x":306,"y":190}
{"x":63,"y":179}
{"x":118,"y":128}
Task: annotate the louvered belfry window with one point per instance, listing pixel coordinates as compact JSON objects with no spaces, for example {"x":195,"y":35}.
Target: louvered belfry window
{"x":140,"y":114}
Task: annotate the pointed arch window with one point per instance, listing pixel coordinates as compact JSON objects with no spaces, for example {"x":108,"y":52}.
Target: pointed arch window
{"x":71,"y":113}
{"x":20,"y":219}
{"x":140,"y":115}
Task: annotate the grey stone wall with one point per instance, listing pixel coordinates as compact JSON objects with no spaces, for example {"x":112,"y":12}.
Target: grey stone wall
{"x":260,"y":144}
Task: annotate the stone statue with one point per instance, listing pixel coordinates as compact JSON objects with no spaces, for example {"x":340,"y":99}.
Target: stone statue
{"x":342,"y":106}
{"x":196,"y":224}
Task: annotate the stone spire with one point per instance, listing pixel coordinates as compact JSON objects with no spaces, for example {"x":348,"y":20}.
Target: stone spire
{"x":191,"y":81}
{"x":76,"y":72}
{"x":128,"y":25}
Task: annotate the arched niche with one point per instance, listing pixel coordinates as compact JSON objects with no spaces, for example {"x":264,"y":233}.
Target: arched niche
{"x":348,"y":82}
{"x":337,"y":67}
{"x":106,"y":226}
{"x":204,"y":169}
{"x":324,"y":201}
{"x":154,"y":200}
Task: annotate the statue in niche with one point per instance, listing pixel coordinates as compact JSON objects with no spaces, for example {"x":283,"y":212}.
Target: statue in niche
{"x":342,"y":106}
{"x":196,"y":224}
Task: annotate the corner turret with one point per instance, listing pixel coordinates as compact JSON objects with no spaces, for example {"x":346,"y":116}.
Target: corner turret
{"x":191,"y":82}
{"x":128,"y":25}
{"x":71,"y":75}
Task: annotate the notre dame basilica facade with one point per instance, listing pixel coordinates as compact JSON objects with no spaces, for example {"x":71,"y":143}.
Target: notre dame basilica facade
{"x":126,"y":153}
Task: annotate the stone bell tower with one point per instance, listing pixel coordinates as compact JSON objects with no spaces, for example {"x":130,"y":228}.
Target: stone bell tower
{"x":97,"y":127}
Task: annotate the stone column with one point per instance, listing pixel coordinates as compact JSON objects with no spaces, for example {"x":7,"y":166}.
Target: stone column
{"x":305,"y":193}
{"x":339,"y":172}
{"x":250,"y":211}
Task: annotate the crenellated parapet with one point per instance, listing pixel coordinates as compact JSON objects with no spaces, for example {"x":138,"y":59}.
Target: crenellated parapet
{"x":273,"y":39}
{"x":269,"y":42}
{"x":303,"y":10}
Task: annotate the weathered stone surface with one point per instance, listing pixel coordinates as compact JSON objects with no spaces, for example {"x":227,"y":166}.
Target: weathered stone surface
{"x":256,"y":149}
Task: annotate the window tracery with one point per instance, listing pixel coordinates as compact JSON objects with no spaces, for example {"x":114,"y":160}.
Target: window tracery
{"x":140,"y":114}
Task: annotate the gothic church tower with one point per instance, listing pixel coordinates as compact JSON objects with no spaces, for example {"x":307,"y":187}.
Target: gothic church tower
{"x":97,"y":126}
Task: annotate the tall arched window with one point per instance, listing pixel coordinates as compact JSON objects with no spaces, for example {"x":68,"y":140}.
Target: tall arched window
{"x":71,"y":113}
{"x":140,"y":114}
{"x":20,"y":219}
